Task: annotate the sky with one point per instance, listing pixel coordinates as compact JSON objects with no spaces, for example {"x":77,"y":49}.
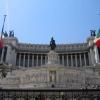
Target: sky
{"x":36,"y":21}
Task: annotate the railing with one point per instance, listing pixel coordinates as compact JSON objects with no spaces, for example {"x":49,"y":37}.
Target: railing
{"x":49,"y":94}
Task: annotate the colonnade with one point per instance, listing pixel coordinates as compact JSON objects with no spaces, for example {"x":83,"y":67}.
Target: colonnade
{"x":70,"y":59}
{"x":29,"y":60}
{"x":74,"y":59}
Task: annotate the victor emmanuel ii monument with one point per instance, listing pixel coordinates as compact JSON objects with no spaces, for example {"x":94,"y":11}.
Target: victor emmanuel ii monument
{"x":70,"y":66}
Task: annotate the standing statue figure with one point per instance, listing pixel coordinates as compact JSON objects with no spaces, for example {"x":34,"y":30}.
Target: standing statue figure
{"x":5,"y":34}
{"x":52,"y":44}
{"x":11,"y":33}
{"x":93,"y":32}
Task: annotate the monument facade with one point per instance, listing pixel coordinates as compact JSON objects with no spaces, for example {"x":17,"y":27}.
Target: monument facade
{"x":70,"y":66}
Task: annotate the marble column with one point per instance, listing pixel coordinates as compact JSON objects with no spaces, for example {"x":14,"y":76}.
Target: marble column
{"x":80,"y":60}
{"x":97,"y":60}
{"x":41,"y":59}
{"x":91,"y":56}
{"x":15,"y":59}
{"x":19,"y":59}
{"x":24,"y":60}
{"x":37,"y":60}
{"x":76,"y":59}
{"x":59,"y":59}
{"x":32,"y":60}
{"x":28,"y":59}
{"x":71,"y":60}
{"x":62,"y":59}
{"x":67,"y":60}
{"x":85,"y":59}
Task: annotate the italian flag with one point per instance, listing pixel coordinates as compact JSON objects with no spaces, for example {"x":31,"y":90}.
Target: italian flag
{"x":1,"y":43}
{"x":1,"y":40}
{"x":97,"y":39}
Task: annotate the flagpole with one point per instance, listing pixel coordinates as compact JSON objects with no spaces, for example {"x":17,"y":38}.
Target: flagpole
{"x":2,"y":31}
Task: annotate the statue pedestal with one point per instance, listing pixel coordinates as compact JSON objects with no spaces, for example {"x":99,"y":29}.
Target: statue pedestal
{"x":53,"y":57}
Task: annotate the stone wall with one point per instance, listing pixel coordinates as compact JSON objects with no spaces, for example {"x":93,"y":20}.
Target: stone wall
{"x":51,"y":77}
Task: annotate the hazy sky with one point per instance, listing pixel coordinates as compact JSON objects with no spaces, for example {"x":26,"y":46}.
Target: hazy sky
{"x":36,"y":21}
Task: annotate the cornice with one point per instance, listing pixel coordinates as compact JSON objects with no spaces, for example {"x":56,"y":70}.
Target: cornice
{"x":46,"y":48}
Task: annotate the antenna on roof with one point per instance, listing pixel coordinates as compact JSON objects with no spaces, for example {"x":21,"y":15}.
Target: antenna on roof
{"x":2,"y":31}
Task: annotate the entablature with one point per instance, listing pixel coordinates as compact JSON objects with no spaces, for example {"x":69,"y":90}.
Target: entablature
{"x":60,"y":48}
